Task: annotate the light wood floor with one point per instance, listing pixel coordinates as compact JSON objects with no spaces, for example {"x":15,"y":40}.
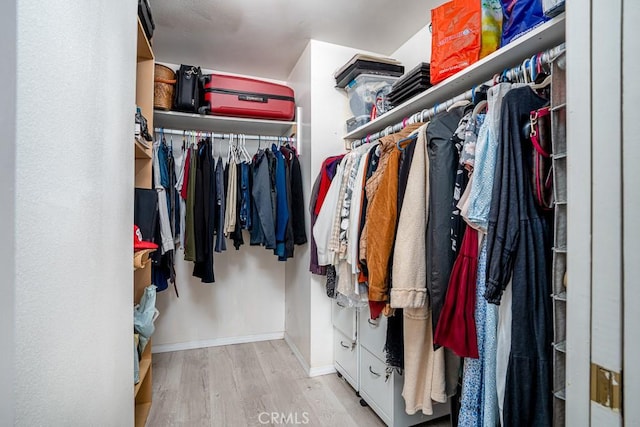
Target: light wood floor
{"x":230,"y":386}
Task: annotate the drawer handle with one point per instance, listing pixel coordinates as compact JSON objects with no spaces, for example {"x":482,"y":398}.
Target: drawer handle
{"x":343,"y":344}
{"x":372,"y":323}
{"x":340,"y":304}
{"x":374,"y":373}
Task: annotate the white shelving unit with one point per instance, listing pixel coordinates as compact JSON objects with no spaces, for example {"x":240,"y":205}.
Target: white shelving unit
{"x":546,"y":36}
{"x":222,"y":124}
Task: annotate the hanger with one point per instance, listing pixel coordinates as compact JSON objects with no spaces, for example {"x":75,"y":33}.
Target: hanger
{"x":245,"y":153}
{"x":538,"y":86}
{"x":482,"y":105}
{"x":407,"y":139}
{"x":460,"y":103}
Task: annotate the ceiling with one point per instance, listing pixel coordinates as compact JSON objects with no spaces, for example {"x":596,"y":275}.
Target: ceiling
{"x":266,"y":37}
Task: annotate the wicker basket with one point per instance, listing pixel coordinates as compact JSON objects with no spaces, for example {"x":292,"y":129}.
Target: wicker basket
{"x":163,"y":87}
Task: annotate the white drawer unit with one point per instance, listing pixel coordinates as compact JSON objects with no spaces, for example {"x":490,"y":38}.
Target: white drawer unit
{"x":358,"y":346}
{"x":344,"y":319}
{"x":375,"y":387}
{"x":372,"y":334}
{"x":345,"y":353}
{"x":384,"y":394}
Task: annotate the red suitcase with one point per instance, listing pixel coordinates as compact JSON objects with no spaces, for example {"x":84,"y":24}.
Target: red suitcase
{"x":244,"y":97}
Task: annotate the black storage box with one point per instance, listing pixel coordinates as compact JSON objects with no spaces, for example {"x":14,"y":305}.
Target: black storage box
{"x":144,"y":13}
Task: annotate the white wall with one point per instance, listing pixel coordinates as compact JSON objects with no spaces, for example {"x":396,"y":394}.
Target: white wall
{"x":73,"y":210}
{"x":415,"y":50}
{"x":246,"y":303}
{"x":247,"y":300}
{"x":330,"y":110}
{"x":297,"y":276}
{"x":325,"y":110}
{"x":7,"y":208}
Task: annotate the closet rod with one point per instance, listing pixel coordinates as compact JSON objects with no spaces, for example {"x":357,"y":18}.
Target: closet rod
{"x":225,"y":135}
{"x":545,"y":58}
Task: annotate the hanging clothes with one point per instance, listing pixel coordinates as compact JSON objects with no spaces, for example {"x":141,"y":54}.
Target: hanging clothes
{"x":394,"y":342}
{"x":263,"y":230}
{"x":518,"y":246}
{"x":245,"y":196}
{"x":325,"y":221}
{"x":221,"y":244}
{"x":204,"y":212}
{"x":458,"y":226}
{"x":190,"y":178}
{"x":381,"y":219}
{"x":327,"y":169}
{"x":372,"y":165}
{"x":424,"y":368}
{"x":298,"y":221}
{"x":282,"y":208}
{"x":232,"y":195}
{"x":161,"y":183}
{"x":443,"y":162}
{"x":236,"y":233}
{"x":478,"y":402}
{"x":486,"y":153}
{"x":456,"y":327}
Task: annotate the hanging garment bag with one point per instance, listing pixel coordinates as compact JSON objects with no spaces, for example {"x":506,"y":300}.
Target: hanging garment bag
{"x":187,"y":89}
{"x":244,"y":97}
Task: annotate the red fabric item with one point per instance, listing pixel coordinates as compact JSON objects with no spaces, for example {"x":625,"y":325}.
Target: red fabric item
{"x":457,"y":326}
{"x":138,"y":243}
{"x":375,"y":308}
{"x":325,"y":181}
{"x":185,"y":180}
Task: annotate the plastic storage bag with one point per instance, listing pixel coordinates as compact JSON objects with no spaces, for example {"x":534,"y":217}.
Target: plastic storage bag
{"x":455,"y":42}
{"x":144,"y":315}
{"x":491,"y":26}
{"x":520,"y":17}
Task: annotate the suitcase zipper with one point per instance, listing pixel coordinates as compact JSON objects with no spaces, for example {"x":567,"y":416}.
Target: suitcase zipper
{"x":251,"y":96}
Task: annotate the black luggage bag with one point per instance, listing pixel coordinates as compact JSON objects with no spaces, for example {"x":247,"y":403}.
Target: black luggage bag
{"x":188,"y":91}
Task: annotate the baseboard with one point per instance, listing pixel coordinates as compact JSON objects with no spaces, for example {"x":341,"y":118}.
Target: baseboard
{"x":311,"y":372}
{"x":296,"y":353}
{"x":164,"y":348}
{"x":322,"y":370}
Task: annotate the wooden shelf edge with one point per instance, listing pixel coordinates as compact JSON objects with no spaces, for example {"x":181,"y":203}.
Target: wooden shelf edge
{"x":141,"y":151}
{"x":546,"y":36}
{"x":144,"y":47}
{"x":142,"y":413}
{"x":145,"y":366}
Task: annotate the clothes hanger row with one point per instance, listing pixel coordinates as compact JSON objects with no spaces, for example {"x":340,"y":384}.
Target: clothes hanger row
{"x":526,"y":72}
{"x":225,"y":136}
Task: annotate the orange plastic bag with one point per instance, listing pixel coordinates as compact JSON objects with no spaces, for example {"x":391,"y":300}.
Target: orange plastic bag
{"x":456,"y":37}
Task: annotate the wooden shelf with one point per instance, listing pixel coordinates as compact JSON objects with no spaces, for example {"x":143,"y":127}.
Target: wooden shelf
{"x":546,"y":36}
{"x":145,"y":365}
{"x":144,"y":48}
{"x":221,"y":124}
{"x":143,"y":391}
{"x":142,"y":412}
{"x":141,"y":151}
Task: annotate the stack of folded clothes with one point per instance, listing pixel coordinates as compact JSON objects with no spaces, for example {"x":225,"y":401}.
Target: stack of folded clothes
{"x":410,"y":84}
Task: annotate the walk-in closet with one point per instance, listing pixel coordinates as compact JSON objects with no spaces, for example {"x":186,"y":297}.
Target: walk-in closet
{"x":363,"y":213}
